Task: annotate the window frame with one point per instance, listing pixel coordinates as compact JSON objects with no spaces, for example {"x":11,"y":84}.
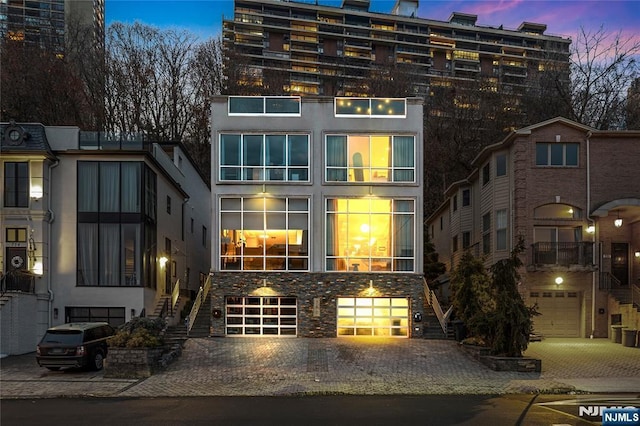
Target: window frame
{"x":549,"y":154}
{"x":501,"y":229}
{"x":241,"y":210}
{"x":466,"y":197}
{"x":370,"y":105}
{"x":392,"y":169}
{"x":486,"y":174}
{"x":397,"y":261}
{"x":97,"y":219}
{"x":19,"y":196}
{"x":501,"y":165}
{"x":486,"y":233}
{"x":265,"y":106}
{"x":240,"y":162}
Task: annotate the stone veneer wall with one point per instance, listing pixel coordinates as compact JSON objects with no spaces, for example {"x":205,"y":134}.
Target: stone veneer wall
{"x":306,"y":287}
{"x":132,"y":363}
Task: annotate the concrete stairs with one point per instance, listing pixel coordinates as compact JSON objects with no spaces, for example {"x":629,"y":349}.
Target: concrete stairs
{"x":203,"y":321}
{"x":175,"y":335}
{"x":431,"y":326}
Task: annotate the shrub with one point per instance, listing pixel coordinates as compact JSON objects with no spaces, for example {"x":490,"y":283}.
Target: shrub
{"x":139,"y":333}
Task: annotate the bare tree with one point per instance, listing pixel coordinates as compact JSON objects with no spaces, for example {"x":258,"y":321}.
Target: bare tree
{"x":603,"y":66}
{"x":38,"y":83}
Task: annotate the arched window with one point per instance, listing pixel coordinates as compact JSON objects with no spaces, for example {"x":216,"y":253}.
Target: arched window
{"x":557,"y":211}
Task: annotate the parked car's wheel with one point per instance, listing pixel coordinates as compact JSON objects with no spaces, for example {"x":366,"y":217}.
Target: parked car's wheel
{"x":54,"y":368}
{"x":97,"y":362}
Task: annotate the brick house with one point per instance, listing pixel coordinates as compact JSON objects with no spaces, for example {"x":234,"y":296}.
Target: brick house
{"x":573,"y":194}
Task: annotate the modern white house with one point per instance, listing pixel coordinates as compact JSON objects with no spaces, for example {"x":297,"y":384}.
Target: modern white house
{"x":95,"y":227}
{"x":316,"y":205}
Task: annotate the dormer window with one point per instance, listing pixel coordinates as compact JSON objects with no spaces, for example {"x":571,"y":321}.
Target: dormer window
{"x":14,"y":134}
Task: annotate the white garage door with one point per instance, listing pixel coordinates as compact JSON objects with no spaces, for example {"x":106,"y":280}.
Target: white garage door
{"x":560,"y":313}
{"x":261,"y":316}
{"x":373,"y":316}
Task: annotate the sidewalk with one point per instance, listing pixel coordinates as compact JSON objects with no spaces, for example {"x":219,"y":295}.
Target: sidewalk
{"x":300,"y":366}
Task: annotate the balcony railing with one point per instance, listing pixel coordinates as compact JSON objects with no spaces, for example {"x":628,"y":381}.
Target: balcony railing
{"x":563,"y":254}
{"x":17,"y":281}
{"x":111,"y":140}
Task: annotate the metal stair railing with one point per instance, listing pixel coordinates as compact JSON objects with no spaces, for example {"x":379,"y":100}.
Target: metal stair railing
{"x":202,"y":295}
{"x":432,"y":300}
{"x":635,"y":296}
{"x":608,"y":281}
{"x":175,"y":294}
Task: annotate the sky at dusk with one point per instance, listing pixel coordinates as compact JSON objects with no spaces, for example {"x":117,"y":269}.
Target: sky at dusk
{"x":565,"y":18}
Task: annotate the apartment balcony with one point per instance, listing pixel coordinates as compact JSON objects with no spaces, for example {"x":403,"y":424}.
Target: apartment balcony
{"x":553,"y":255}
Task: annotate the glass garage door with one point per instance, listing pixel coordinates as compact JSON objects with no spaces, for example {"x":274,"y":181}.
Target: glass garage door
{"x":261,"y":316}
{"x":373,"y":316}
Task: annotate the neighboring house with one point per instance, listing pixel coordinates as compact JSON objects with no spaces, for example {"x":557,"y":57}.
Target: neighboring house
{"x":573,"y":194}
{"x":317,"y":202}
{"x":94,"y":227}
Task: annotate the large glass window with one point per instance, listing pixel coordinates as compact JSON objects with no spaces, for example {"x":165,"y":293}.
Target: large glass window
{"x":557,"y":154}
{"x":16,"y":184}
{"x":370,"y":158}
{"x":264,"y":234}
{"x":273,"y":157}
{"x":370,"y":235}
{"x":264,"y":105}
{"x":370,"y":107}
{"x":113,"y":249}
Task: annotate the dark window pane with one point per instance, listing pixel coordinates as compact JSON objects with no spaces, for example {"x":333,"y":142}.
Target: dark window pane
{"x":542,"y":158}
{"x":250,"y":105}
{"x":572,"y":154}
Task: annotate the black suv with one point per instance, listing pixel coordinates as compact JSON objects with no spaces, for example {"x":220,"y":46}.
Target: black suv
{"x":82,"y":344}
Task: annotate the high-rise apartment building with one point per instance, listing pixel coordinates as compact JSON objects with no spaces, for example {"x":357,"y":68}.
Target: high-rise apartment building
{"x":327,"y":50}
{"x":46,"y":23}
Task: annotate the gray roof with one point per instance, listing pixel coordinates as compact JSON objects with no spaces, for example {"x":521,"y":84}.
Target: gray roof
{"x":32,"y":138}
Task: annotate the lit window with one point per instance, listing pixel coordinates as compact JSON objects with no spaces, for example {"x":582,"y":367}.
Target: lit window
{"x":370,"y":107}
{"x":370,"y":235}
{"x":557,"y":211}
{"x":264,"y":234}
{"x":365,"y":158}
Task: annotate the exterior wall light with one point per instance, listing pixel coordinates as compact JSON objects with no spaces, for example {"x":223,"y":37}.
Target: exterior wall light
{"x":559,"y":280}
{"x":591,"y":229}
{"x":36,"y":192}
{"x":637,"y":254}
{"x":618,"y":221}
{"x":38,"y":269}
{"x":163,"y":261}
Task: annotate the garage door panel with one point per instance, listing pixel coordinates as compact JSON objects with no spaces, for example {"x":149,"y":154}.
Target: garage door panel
{"x":559,"y":313}
{"x":373,"y":316}
{"x":261,"y":316}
